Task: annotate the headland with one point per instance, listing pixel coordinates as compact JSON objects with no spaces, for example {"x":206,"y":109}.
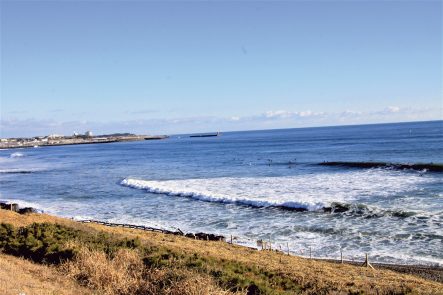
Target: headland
{"x":87,"y":138}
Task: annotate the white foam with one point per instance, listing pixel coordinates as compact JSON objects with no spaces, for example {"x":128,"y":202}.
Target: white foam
{"x":17,"y":155}
{"x":311,"y":192}
{"x":407,"y":257}
{"x":82,"y":217}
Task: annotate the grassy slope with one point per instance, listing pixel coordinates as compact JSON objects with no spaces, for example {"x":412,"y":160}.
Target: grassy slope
{"x":22,"y":276}
{"x":233,"y":266}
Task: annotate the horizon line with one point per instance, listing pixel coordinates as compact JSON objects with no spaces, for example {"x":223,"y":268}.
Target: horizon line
{"x":270,"y":129}
{"x":308,"y":127}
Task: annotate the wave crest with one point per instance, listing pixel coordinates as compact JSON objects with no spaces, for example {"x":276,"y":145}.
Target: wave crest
{"x":310,"y":192}
{"x":156,"y":188}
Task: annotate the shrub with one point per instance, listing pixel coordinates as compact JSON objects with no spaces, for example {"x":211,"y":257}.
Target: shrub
{"x":109,"y":263}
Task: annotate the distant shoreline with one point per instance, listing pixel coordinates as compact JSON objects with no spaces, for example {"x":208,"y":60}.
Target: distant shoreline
{"x":33,"y":142}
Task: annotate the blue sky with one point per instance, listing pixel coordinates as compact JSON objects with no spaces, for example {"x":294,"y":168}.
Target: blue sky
{"x":177,"y":67}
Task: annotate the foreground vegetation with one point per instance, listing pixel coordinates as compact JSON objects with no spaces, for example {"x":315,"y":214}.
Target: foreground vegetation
{"x":127,"y":261}
{"x":21,"y":276}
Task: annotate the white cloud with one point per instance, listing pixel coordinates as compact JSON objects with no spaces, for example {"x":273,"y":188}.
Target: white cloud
{"x":277,"y":114}
{"x":10,"y":127}
{"x":393,"y":109}
{"x":349,"y":113}
{"x":280,"y":114}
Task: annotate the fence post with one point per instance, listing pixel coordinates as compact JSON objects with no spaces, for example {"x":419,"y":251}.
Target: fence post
{"x":287,"y":244}
{"x":341,"y":256}
{"x":366,"y":263}
{"x":310,"y":252}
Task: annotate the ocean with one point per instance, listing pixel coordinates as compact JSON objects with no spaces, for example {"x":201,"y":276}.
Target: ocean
{"x":254,"y":185}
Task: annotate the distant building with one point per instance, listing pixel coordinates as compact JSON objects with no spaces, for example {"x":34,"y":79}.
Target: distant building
{"x":75,"y":134}
{"x":52,"y":136}
{"x":88,"y":133}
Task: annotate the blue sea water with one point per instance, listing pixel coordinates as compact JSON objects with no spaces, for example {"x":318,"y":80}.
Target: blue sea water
{"x":247,"y":184}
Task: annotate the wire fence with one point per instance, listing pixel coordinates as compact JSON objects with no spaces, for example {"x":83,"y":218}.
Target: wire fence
{"x":309,"y":252}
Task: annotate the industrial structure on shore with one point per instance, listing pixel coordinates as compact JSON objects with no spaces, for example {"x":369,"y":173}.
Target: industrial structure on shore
{"x":87,"y":138}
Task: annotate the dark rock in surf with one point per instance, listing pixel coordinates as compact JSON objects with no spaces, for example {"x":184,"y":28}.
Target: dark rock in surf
{"x":178,"y":232}
{"x":15,"y":207}
{"x":337,"y":208}
{"x":11,"y":207}
{"x":26,"y":210}
{"x":205,"y":237}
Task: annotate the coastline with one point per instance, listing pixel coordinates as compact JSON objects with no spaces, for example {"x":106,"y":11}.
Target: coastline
{"x":431,"y":270}
{"x":32,"y":143}
{"x":434,"y":273}
{"x":332,"y":273}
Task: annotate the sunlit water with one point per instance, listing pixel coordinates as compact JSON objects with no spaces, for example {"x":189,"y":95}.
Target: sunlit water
{"x":252,"y":185}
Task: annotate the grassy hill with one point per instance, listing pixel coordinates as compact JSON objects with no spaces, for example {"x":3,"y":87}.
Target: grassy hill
{"x":109,"y":260}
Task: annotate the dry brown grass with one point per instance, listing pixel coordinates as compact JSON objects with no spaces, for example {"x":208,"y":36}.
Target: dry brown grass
{"x":125,"y":274}
{"x":120,"y":275}
{"x":314,"y":277}
{"x":190,"y":284}
{"x":22,"y":276}
{"x":16,"y":219}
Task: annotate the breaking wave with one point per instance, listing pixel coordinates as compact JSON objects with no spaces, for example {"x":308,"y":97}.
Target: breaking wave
{"x":219,"y":198}
{"x":311,"y":192}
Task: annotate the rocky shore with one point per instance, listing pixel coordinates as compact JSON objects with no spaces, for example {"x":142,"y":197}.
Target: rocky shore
{"x":433,"y":273}
{"x":86,"y":254}
{"x":15,"y":208}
